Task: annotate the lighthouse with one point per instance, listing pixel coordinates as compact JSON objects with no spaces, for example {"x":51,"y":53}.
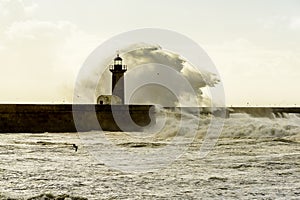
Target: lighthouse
{"x":118,"y":70}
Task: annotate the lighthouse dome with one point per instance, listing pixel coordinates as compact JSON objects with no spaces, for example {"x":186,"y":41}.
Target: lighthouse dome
{"x":118,"y":58}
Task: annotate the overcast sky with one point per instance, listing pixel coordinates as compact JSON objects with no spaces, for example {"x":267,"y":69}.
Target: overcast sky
{"x":254,"y":44}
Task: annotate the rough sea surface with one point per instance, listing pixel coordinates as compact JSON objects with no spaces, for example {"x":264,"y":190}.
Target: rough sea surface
{"x":254,"y":158}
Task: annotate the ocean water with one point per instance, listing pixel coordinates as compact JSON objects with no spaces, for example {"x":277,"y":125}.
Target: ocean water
{"x":253,"y":158}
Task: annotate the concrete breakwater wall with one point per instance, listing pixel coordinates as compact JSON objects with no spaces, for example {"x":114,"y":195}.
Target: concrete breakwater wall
{"x":270,"y":112}
{"x":39,"y":118}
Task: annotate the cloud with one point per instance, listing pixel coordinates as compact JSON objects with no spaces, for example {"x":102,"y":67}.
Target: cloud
{"x":15,"y":10}
{"x":39,"y":59}
{"x":40,"y":30}
{"x":295,"y":23}
{"x":255,"y":73}
{"x":281,"y":22}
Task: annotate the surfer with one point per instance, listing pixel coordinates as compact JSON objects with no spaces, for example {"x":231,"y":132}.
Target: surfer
{"x":75,"y":147}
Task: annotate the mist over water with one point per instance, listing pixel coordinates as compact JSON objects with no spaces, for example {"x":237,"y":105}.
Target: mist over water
{"x":152,"y":58}
{"x":238,"y":125}
{"x":253,"y":158}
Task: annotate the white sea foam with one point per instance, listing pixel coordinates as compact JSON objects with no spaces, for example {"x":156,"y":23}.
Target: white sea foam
{"x":253,"y":158}
{"x":239,"y":125}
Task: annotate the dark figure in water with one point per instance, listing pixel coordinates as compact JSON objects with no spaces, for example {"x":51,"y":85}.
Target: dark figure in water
{"x":75,"y":147}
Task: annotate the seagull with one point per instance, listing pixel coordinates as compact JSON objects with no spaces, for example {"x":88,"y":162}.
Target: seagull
{"x":75,"y":147}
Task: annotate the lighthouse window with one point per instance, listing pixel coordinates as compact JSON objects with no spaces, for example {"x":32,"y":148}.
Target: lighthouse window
{"x":118,"y":62}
